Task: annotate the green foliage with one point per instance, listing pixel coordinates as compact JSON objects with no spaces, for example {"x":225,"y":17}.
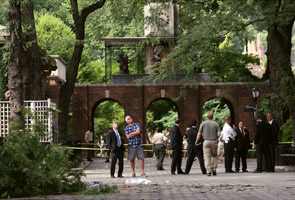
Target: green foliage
{"x":168,"y":120}
{"x":3,"y":77}
{"x":219,"y":108}
{"x":4,"y":12}
{"x":161,"y":113}
{"x":106,"y":113}
{"x":55,"y":36}
{"x":29,"y":167}
{"x":264,"y":106}
{"x":91,"y":73}
{"x":287,"y":131}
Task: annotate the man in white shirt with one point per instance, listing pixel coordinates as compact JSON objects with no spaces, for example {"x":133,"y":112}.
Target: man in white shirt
{"x":228,"y":135}
{"x":89,"y":141}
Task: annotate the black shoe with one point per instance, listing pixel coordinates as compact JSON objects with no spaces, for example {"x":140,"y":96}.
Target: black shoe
{"x":257,"y":171}
{"x":230,"y":171}
{"x":204,"y":172}
{"x":120,"y":176}
{"x":209,"y":174}
{"x":181,"y":172}
{"x":214,"y":173}
{"x":185,"y":173}
{"x":245,"y":170}
{"x":237,"y":170}
{"x":112,"y":176}
{"x":173,"y":173}
{"x":161,"y":168}
{"x":107,"y":160}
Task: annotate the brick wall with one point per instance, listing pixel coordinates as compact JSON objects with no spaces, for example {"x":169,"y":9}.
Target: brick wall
{"x":135,"y":99}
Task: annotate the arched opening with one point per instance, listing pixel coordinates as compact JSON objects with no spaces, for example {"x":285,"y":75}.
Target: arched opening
{"x":103,"y":114}
{"x":160,"y":113}
{"x":221,"y":108}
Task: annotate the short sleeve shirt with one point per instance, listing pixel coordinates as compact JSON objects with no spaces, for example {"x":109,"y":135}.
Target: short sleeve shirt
{"x":136,"y":140}
{"x":209,"y":128}
{"x":159,"y":138}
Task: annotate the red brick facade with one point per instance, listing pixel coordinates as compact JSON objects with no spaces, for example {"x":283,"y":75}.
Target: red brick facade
{"x":135,"y":100}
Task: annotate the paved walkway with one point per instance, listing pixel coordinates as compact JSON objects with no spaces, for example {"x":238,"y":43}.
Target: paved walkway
{"x":278,"y":185}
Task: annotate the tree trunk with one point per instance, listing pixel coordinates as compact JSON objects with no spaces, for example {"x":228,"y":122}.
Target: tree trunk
{"x":281,"y":76}
{"x":67,"y":88}
{"x":31,"y":70}
{"x":14,"y":66}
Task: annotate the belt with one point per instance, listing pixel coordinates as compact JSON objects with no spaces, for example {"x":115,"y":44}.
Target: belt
{"x":159,"y":144}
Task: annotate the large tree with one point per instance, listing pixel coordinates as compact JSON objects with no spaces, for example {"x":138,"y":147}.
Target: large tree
{"x":15,"y":64}
{"x":203,"y":24}
{"x":67,"y":88}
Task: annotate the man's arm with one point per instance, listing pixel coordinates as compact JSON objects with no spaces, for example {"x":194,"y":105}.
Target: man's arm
{"x":86,"y":137}
{"x":132,"y":134}
{"x":109,"y":141}
{"x":198,"y":137}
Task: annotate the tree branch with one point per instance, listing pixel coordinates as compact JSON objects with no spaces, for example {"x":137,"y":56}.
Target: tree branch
{"x":75,"y":11}
{"x":243,"y":26}
{"x":87,"y":10}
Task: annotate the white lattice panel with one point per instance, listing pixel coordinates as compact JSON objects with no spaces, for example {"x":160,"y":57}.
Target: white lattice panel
{"x":38,"y":112}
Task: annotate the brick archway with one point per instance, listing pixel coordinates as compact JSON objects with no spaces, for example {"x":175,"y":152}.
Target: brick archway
{"x":229,"y":104}
{"x":98,"y":103}
{"x":135,"y":99}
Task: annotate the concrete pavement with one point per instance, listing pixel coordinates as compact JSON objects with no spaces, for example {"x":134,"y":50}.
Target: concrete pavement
{"x":278,"y":185}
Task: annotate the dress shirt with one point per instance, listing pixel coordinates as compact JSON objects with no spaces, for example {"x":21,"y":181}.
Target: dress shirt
{"x":118,"y":138}
{"x":270,"y":122}
{"x":88,"y":136}
{"x":228,"y":133}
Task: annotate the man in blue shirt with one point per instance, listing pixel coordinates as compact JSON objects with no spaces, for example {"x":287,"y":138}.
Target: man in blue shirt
{"x":133,"y":134}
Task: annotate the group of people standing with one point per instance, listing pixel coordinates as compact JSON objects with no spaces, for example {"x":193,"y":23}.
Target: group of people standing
{"x":202,"y":143}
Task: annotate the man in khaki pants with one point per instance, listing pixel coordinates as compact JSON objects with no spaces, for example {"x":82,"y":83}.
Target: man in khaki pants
{"x":210,"y":131}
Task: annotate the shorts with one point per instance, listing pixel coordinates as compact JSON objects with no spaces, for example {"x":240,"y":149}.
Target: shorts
{"x":133,"y":151}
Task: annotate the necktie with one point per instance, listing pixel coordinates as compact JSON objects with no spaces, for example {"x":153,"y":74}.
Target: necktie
{"x":118,"y":138}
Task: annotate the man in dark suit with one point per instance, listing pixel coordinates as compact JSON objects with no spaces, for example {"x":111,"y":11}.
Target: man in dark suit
{"x":194,"y":149}
{"x":176,"y":145}
{"x":242,"y":143}
{"x":262,"y":142}
{"x":275,"y":127}
{"x":116,"y":145}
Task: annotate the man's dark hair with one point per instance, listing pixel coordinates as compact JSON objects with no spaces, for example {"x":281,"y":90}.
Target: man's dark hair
{"x":262,"y":117}
{"x":270,"y":113}
{"x":177,"y":121}
{"x":193,"y":123}
{"x":159,"y":130}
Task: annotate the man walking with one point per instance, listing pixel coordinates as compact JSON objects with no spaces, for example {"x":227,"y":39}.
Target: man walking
{"x":159,"y":147}
{"x":116,"y":146}
{"x":274,"y":141}
{"x":262,"y":141}
{"x":133,"y":134}
{"x":242,"y":144}
{"x":228,"y":136}
{"x":176,"y":146}
{"x":89,"y":141}
{"x":194,"y":149}
{"x":210,"y":131}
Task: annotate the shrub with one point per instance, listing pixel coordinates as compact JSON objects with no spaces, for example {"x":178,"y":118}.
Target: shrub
{"x":29,"y":167}
{"x":287,"y":132}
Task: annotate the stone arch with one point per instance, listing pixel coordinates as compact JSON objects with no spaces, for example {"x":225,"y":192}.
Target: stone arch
{"x":226,"y":100}
{"x":97,"y":103}
{"x":149,"y":132}
{"x":163,"y":98}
